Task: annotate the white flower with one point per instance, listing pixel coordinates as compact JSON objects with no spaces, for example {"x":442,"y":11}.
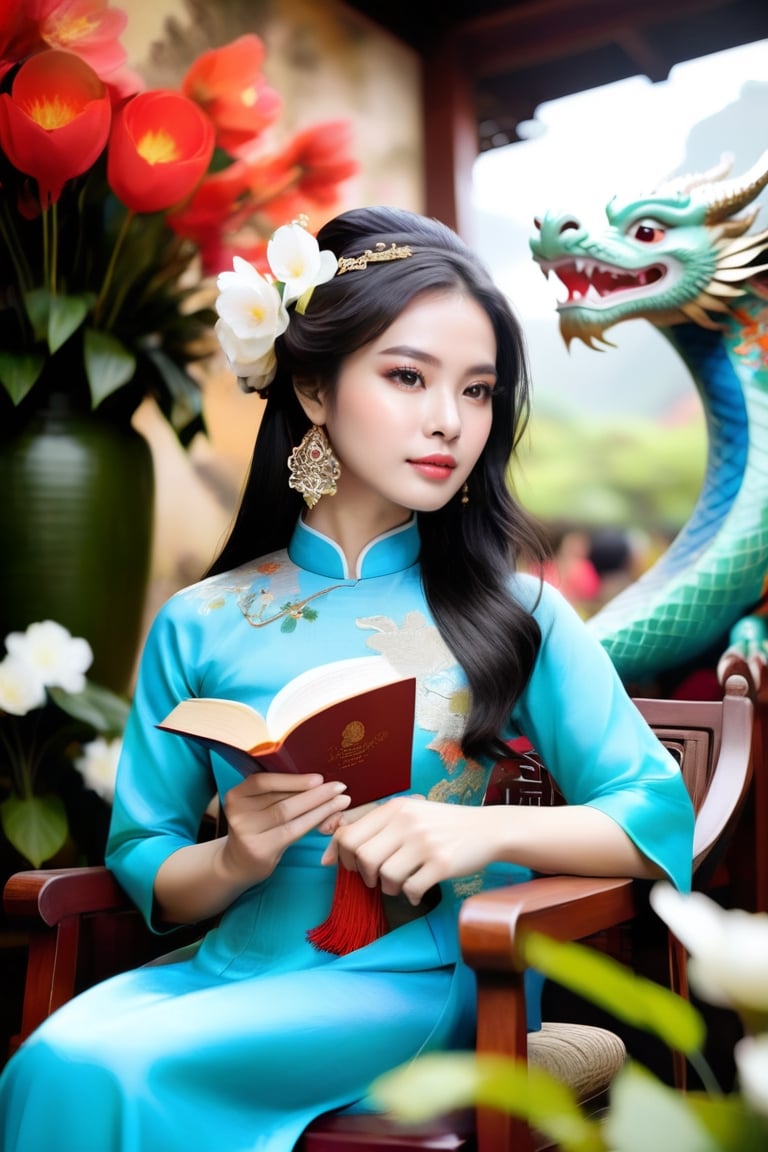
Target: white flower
{"x":21,"y":688}
{"x":251,"y":317}
{"x":60,"y":659}
{"x":252,"y":308}
{"x":751,"y":1055}
{"x":297,"y":262}
{"x":253,"y":369}
{"x":98,"y":765}
{"x":728,"y":948}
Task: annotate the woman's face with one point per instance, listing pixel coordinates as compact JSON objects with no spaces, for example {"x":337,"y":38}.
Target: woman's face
{"x":411,"y":411}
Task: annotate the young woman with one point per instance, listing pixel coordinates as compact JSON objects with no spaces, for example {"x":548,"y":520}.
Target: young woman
{"x":376,"y":522}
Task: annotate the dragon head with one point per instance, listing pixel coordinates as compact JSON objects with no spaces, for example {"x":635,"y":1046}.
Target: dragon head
{"x":679,"y":253}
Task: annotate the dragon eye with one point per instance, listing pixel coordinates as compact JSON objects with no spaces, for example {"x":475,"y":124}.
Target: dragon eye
{"x":648,"y":232}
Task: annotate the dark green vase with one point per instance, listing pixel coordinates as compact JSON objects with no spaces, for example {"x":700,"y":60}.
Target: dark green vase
{"x":76,"y":518}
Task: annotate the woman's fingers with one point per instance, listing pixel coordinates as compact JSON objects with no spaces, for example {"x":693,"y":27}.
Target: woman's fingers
{"x":267,"y":783}
{"x":408,"y":845}
{"x":281,"y":808}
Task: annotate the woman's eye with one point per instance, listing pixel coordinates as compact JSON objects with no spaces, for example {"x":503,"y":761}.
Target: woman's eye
{"x":479,"y":391}
{"x":410,"y":377}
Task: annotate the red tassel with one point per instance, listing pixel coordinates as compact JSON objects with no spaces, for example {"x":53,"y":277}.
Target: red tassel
{"x":356,"y":917}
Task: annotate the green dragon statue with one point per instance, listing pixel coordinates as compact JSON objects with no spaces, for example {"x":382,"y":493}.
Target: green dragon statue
{"x":682,"y":258}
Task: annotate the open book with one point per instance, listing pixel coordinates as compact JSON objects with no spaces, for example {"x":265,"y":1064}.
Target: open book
{"x":350,"y":720}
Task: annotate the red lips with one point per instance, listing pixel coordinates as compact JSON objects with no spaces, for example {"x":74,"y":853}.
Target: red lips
{"x":434,"y":467}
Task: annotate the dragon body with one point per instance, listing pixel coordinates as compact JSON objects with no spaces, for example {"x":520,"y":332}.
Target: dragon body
{"x":682,"y":258}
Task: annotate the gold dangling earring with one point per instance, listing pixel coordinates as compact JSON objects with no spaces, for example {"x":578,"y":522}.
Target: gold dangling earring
{"x":465,"y":493}
{"x":313,"y":467}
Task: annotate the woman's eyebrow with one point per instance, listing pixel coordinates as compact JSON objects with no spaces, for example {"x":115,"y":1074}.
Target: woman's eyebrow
{"x":428,"y":358}
{"x":412,"y":353}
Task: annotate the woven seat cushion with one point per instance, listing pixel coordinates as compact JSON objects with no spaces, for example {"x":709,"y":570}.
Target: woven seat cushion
{"x":581,"y":1056}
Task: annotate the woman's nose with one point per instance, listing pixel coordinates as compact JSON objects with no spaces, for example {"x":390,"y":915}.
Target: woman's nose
{"x":443,"y":417}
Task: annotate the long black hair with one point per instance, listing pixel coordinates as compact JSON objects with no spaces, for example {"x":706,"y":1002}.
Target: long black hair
{"x":467,"y":550}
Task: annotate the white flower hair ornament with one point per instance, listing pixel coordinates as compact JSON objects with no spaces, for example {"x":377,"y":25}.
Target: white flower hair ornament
{"x":253,"y":309}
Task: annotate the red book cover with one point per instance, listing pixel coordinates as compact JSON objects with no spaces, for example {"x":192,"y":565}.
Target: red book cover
{"x":363,"y":737}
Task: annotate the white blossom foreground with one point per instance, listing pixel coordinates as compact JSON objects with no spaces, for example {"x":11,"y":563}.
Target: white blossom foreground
{"x":50,"y":710}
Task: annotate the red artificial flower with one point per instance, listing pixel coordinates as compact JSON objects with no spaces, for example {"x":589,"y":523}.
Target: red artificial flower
{"x":322,"y":156}
{"x":233,"y":210}
{"x":89,"y":28}
{"x":160,"y":148}
{"x":211,"y":206}
{"x":227,"y":83}
{"x":55,"y":121}
{"x":17,"y":35}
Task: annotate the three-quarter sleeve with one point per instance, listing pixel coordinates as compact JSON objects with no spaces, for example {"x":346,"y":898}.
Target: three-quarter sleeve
{"x":596,"y":744}
{"x":164,"y":782}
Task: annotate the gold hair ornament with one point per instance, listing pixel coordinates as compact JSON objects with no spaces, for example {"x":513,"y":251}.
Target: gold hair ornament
{"x":379,"y":255}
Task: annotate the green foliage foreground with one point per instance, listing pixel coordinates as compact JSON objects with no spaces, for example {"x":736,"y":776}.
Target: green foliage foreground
{"x":644,"y":1113}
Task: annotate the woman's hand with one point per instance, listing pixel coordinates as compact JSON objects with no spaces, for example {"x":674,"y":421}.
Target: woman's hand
{"x":269,"y":811}
{"x":408,"y":844}
{"x":266,"y":813}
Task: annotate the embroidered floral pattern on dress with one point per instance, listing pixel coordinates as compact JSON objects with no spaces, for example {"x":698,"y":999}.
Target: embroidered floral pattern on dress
{"x":417,"y":648}
{"x":256,"y":587}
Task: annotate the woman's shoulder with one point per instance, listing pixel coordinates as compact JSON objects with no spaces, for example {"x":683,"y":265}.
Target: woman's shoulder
{"x":536,"y":594}
{"x":552,"y":611}
{"x":231,"y":589}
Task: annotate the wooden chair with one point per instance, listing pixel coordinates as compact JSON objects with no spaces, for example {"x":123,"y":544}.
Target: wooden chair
{"x":751,"y":866}
{"x":82,"y":928}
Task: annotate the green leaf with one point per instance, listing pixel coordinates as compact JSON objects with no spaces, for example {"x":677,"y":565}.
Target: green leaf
{"x":731,"y":1122}
{"x":185,"y":404}
{"x":19,"y":372}
{"x":441,"y":1082}
{"x":645,"y":1114}
{"x":610,"y":985}
{"x":102,"y":709}
{"x":38,"y":306}
{"x":108,"y":364}
{"x":66,"y":315}
{"x":37,"y":827}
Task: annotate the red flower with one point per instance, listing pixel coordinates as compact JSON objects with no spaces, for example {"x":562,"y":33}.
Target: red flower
{"x":322,"y":155}
{"x":17,"y":37}
{"x":106,"y":278}
{"x":160,"y":148}
{"x":87,"y":27}
{"x":234,"y":210}
{"x":55,"y":121}
{"x":227,"y":83}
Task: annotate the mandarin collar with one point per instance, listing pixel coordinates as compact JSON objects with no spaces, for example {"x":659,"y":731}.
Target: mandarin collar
{"x":391,"y":552}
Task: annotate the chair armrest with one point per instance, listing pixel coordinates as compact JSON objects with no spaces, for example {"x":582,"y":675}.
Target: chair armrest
{"x":491,"y":925}
{"x":566,"y":907}
{"x":56,"y":906}
{"x":52,"y":894}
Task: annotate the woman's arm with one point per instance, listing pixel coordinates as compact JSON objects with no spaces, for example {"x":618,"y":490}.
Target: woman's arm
{"x":265,"y":814}
{"x":628,"y":812}
{"x":409,"y":844}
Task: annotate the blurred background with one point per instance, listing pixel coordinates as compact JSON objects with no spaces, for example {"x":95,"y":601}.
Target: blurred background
{"x":616,"y":446}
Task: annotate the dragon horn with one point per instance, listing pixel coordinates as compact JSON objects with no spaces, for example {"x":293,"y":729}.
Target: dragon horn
{"x":729,"y":197}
